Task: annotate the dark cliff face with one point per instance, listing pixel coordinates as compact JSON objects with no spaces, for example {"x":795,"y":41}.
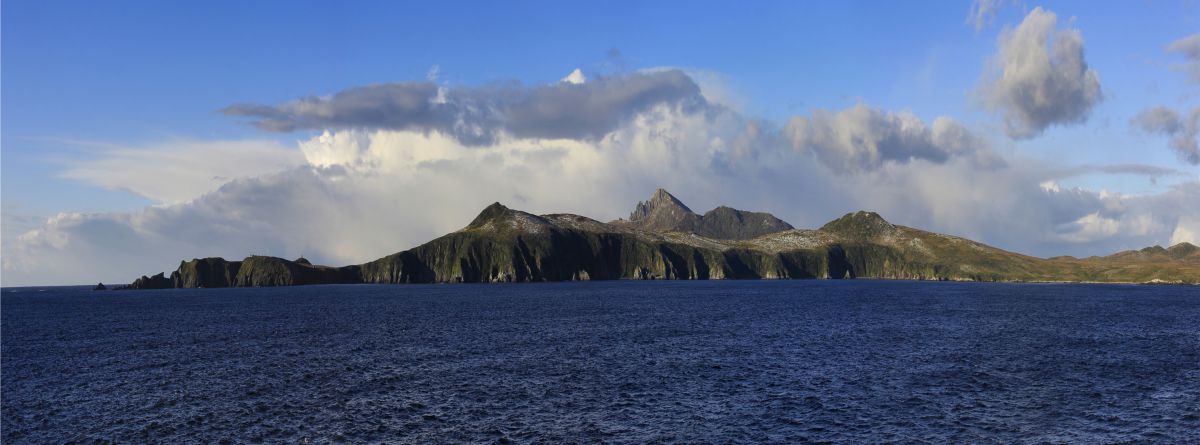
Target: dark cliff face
{"x":506,"y":245}
{"x":156,"y":281}
{"x":255,"y":271}
{"x":665,"y":213}
{"x":207,"y":272}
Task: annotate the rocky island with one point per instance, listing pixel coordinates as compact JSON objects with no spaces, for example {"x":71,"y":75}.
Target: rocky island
{"x":664,"y":239}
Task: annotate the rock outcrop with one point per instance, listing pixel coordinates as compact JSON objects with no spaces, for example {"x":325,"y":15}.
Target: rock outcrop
{"x":156,"y":281}
{"x":663,"y":239}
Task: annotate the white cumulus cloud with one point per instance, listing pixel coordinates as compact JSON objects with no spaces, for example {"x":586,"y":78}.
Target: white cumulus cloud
{"x":862,"y":138}
{"x":576,"y":77}
{"x":1039,"y":77}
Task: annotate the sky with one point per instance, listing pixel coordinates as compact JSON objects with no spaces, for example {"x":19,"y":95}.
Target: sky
{"x":137,"y":134}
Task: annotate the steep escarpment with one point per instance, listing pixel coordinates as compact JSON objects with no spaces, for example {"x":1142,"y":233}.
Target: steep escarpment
{"x":504,"y":245}
{"x":254,"y":271}
{"x":664,"y":240}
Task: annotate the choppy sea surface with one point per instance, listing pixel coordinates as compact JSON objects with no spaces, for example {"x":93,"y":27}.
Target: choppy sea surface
{"x":616,"y":362}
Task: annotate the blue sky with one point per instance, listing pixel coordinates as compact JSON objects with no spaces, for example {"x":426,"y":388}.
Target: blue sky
{"x":82,"y":77}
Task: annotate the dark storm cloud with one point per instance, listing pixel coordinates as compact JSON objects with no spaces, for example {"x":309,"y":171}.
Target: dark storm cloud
{"x":480,"y":115}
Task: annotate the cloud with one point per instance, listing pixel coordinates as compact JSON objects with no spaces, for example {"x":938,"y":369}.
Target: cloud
{"x":983,"y":12}
{"x":1188,"y":231}
{"x":1189,"y":48}
{"x":365,"y":193}
{"x":576,"y":77}
{"x":1149,"y":171}
{"x":861,"y":138}
{"x":481,"y":116}
{"x":176,"y":171}
{"x":1039,"y":77}
{"x":1089,"y":227}
{"x":1181,"y":130}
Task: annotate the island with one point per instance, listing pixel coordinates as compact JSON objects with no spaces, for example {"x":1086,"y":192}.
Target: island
{"x":665,"y":240}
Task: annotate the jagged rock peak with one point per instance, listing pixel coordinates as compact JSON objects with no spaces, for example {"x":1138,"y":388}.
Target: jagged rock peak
{"x":860,"y":224}
{"x":662,"y":202}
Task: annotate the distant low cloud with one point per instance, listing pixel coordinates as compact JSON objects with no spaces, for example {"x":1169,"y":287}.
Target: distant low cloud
{"x":1039,"y":77}
{"x":572,"y":109}
{"x":180,"y":170}
{"x":1182,"y":130}
{"x":861,"y":138}
{"x":1189,"y":48}
{"x":1149,"y":171}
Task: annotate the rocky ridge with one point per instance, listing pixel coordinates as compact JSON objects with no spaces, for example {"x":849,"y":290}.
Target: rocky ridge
{"x":664,"y":212}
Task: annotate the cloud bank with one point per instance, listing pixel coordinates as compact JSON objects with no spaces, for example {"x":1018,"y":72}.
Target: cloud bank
{"x":572,"y":109}
{"x":179,"y":171}
{"x":375,"y":184}
{"x":1039,"y":77}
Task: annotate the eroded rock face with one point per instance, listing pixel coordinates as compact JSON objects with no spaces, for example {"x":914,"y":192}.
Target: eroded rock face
{"x":157,"y":281}
{"x":258,"y":271}
{"x":206,"y":272}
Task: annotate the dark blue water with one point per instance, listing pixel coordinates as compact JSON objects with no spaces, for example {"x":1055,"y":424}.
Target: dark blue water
{"x":762,"y":361}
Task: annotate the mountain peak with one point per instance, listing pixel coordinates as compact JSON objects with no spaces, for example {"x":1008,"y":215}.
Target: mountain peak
{"x":499,"y":217}
{"x":860,"y":224}
{"x":665,"y":213}
{"x":490,"y":213}
{"x":726,"y":222}
{"x":661,"y":202}
{"x":1186,"y":246}
{"x":662,"y":209}
{"x":1184,"y":250}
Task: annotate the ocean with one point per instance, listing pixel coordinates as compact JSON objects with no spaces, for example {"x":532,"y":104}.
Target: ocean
{"x":853,"y":361}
